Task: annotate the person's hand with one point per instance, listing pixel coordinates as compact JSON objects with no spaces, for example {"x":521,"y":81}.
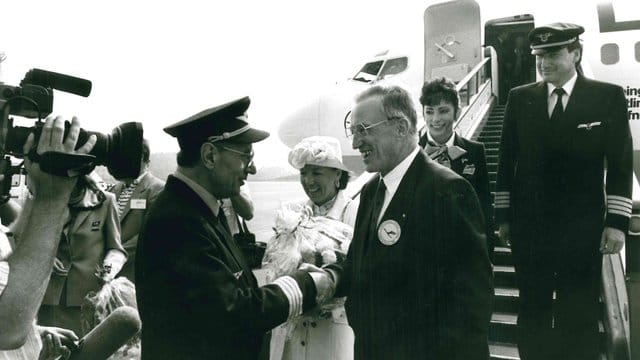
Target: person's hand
{"x":325,"y":286}
{"x":58,"y":268}
{"x":504,"y":234}
{"x":48,"y":186}
{"x":56,"y":342}
{"x":612,"y":240}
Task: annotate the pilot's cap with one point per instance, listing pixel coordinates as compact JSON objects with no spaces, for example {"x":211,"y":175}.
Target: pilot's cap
{"x":553,"y":37}
{"x":226,"y":122}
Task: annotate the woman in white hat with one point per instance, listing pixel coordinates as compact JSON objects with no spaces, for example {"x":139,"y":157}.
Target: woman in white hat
{"x":324,"y":334}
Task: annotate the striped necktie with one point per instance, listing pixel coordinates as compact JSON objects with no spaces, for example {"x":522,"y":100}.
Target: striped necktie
{"x":125,"y":196}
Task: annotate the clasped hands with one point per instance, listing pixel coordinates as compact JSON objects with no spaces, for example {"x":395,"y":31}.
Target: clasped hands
{"x":324,"y":281}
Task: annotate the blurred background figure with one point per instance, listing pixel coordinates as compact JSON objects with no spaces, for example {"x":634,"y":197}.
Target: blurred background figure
{"x":89,"y":254}
{"x":135,"y":196}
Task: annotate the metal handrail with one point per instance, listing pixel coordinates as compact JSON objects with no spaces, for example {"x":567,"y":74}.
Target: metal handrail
{"x":632,"y":272}
{"x":476,"y":91}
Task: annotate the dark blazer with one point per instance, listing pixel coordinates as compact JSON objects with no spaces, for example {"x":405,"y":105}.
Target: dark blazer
{"x":131,"y":219}
{"x":551,"y":175}
{"x":88,"y":236}
{"x":196,"y":295}
{"x":429,"y":295}
{"x":473,"y":167}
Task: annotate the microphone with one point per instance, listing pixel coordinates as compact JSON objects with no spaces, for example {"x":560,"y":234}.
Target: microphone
{"x":106,"y":338}
{"x":62,"y":82}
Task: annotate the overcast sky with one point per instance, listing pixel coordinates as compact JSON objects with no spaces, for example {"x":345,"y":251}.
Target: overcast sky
{"x":159,"y":62}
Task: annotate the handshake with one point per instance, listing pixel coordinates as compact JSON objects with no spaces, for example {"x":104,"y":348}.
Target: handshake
{"x":324,"y":280}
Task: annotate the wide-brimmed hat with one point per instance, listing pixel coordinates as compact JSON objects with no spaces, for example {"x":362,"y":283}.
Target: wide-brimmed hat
{"x":317,"y":150}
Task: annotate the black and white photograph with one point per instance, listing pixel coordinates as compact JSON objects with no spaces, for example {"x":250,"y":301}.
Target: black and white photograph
{"x":330,"y":180}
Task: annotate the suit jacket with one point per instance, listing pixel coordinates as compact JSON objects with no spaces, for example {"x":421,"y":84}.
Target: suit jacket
{"x":429,"y":295}
{"x":196,"y":295}
{"x":473,"y":167}
{"x":551,"y":174}
{"x":131,"y":219}
{"x":87,"y":236}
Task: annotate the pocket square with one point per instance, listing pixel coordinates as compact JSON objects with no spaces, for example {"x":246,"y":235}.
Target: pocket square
{"x":588,"y":126}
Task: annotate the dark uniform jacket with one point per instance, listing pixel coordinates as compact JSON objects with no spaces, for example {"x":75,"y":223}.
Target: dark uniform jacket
{"x":551,"y":176}
{"x":428,"y":296}
{"x":196,"y":295}
{"x":473,"y":167}
{"x":131,"y":218}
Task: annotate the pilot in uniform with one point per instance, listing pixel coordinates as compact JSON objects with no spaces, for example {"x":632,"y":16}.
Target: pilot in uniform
{"x":553,"y":200}
{"x":198,"y":298}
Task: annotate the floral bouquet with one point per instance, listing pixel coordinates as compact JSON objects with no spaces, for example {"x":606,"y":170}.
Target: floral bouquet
{"x":300,"y":238}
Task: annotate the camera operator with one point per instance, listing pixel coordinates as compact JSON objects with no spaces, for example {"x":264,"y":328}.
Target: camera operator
{"x":25,"y":273}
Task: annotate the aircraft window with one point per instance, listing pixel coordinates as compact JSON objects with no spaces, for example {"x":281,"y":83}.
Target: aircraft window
{"x":609,"y":54}
{"x":369,"y":71}
{"x":638,"y":51}
{"x":393,"y":67}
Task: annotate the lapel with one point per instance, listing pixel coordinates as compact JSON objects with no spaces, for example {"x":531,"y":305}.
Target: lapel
{"x":575,"y":104}
{"x":359,"y":242}
{"x":458,"y":164}
{"x":79,"y":219}
{"x":232,"y":255}
{"x":540,"y":102}
{"x":404,"y":197}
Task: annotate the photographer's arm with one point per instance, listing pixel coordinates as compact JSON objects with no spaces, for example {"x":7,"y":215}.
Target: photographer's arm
{"x":31,"y":263}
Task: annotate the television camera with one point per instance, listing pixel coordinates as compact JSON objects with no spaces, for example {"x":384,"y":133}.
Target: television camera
{"x":119,"y":151}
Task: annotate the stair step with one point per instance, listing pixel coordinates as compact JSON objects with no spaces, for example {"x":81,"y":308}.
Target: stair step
{"x":502,"y":256}
{"x":503,"y":351}
{"x":503,"y":327}
{"x":506,"y":300}
{"x":504,"y":276}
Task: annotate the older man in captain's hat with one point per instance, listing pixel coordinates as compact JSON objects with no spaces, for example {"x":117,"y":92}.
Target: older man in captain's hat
{"x":551,"y":199}
{"x":197,"y":297}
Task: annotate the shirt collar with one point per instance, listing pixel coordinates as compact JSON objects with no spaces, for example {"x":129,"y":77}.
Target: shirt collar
{"x":323,"y":209}
{"x":206,"y":196}
{"x":567,"y":87}
{"x":393,"y":178}
{"x":448,"y":142}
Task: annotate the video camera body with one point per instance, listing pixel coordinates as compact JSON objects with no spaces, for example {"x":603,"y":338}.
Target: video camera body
{"x":120,"y":151}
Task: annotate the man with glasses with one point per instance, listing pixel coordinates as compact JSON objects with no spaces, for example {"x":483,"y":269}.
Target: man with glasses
{"x":417,"y":275}
{"x":197,"y":297}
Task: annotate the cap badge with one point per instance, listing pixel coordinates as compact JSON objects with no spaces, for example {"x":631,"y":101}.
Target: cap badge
{"x":544,"y":37}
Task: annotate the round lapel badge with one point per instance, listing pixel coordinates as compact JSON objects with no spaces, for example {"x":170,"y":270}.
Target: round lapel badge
{"x":389,"y":232}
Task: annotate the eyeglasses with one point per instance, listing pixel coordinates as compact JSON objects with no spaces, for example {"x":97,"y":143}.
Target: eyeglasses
{"x":248,"y":156}
{"x":363,"y":130}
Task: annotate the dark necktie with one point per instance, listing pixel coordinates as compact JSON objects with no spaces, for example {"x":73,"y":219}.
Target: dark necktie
{"x":558,"y":110}
{"x":378,"y":200}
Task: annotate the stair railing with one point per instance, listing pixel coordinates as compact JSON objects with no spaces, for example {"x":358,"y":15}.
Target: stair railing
{"x":632,"y":274}
{"x":475,"y":91}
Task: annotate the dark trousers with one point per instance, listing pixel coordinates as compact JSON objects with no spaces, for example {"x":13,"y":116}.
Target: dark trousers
{"x":564,"y":259}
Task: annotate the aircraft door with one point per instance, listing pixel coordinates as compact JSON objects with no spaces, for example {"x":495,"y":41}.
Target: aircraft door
{"x":451,"y":39}
{"x":516,"y":65}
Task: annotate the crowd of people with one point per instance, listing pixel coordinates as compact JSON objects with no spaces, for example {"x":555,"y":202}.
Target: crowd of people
{"x":413,"y":280}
